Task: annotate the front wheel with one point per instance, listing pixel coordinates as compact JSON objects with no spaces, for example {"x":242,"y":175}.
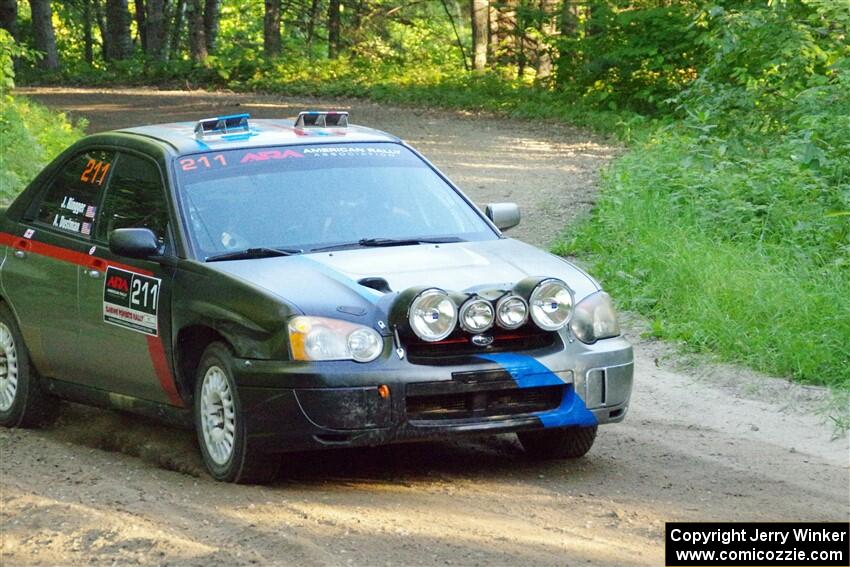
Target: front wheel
{"x":220,"y":423}
{"x":567,"y":443}
{"x":22,"y":401}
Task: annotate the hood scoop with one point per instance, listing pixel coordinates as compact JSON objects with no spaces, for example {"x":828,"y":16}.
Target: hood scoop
{"x":378,"y":284}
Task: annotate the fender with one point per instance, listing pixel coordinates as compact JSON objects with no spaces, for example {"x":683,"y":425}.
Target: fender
{"x":251,"y":319}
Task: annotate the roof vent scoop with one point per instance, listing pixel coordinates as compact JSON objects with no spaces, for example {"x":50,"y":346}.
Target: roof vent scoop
{"x":232,"y":124}
{"x":322,"y":119}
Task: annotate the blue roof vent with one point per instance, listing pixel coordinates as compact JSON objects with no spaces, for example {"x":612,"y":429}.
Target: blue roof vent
{"x":322,"y":119}
{"x":222,"y":125}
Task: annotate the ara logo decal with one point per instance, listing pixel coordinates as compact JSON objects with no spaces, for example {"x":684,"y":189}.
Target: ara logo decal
{"x":131,"y":300}
{"x":270,"y":154}
{"x":118,"y":283}
{"x":482,"y":340}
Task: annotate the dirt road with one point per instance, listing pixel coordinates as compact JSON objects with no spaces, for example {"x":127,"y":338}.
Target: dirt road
{"x":701,"y":441}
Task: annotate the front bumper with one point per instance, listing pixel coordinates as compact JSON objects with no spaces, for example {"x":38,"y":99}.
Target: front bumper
{"x":293,"y":406}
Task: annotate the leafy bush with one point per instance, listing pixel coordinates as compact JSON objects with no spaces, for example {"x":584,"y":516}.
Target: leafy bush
{"x":634,"y":58}
{"x":722,"y":227}
{"x":31,"y":134}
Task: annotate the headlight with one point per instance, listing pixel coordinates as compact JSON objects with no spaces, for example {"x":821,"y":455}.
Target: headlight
{"x":594,"y":318}
{"x":432,"y":315}
{"x":477,"y":315}
{"x":511,"y":312}
{"x":320,"y":338}
{"x":551,"y":304}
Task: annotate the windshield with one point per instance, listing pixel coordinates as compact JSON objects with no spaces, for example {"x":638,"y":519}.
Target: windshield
{"x":319,"y":196}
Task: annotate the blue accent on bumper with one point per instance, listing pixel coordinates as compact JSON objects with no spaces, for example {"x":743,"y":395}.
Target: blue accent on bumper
{"x":528,"y":372}
{"x":571,"y":412}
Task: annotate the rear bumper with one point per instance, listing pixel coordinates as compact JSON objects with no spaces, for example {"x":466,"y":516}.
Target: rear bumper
{"x":297,"y":406}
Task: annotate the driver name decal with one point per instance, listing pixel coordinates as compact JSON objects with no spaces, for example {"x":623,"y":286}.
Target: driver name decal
{"x":131,"y":300}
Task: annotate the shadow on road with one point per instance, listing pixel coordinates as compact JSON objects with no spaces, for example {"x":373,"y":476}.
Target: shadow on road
{"x":176,"y":450}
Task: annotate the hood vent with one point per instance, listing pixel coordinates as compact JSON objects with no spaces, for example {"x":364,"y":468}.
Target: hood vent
{"x":378,"y":284}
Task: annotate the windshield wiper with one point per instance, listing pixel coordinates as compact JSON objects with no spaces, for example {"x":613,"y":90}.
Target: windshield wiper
{"x":377,"y":242}
{"x":253,"y":253}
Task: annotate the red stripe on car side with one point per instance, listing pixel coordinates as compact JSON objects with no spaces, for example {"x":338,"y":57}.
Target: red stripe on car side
{"x":156,"y":349}
{"x":163,"y":371}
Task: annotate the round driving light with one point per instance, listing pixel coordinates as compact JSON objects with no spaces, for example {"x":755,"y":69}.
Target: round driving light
{"x":511,"y":312}
{"x":477,"y":315}
{"x":551,"y":304}
{"x":365,"y":345}
{"x":433,"y":315}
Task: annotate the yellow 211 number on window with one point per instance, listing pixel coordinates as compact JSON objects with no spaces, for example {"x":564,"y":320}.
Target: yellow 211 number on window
{"x":95,"y":172}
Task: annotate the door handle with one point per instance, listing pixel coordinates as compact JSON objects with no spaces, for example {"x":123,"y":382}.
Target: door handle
{"x":21,"y":247}
{"x":96,"y":268}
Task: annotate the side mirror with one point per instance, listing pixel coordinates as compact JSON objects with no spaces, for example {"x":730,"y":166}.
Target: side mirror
{"x":134,"y":243}
{"x":503,"y":215}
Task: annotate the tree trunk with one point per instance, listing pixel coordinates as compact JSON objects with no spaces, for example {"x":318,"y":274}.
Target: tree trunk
{"x":333,"y":28}
{"x":480,"y":33}
{"x":141,"y":24}
{"x":271,"y":29}
{"x":197,"y":41}
{"x":9,"y":16}
{"x":212,"y":12}
{"x":591,"y":26}
{"x":503,"y":16}
{"x":43,"y":35}
{"x":177,"y":28}
{"x":100,"y":18}
{"x":569,"y":18}
{"x":519,"y":38}
{"x":547,"y":32}
{"x":157,"y":29}
{"x":88,"y":40}
{"x":493,"y":41}
{"x":311,"y":22}
{"x":119,"y":44}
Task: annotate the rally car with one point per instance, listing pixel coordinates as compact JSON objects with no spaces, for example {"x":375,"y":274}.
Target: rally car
{"x":287,"y":285}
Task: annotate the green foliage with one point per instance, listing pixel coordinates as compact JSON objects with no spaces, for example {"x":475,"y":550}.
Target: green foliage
{"x":722,"y":227}
{"x":30,"y":135}
{"x":631,"y":58}
{"x":668,"y":239}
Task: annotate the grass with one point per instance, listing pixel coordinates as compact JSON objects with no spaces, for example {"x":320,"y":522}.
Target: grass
{"x":30,"y":136}
{"x":677,"y":242}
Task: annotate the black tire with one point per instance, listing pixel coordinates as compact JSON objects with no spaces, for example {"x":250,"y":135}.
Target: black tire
{"x":567,"y":443}
{"x":243,"y":464}
{"x":30,"y":405}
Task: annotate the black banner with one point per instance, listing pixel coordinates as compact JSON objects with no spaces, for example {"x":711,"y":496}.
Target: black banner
{"x":696,"y":544}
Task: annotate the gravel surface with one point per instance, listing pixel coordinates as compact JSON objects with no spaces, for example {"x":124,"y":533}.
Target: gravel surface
{"x":701,"y":442}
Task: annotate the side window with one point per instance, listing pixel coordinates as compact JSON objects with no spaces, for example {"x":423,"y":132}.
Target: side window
{"x":70,"y":203}
{"x":135,"y":198}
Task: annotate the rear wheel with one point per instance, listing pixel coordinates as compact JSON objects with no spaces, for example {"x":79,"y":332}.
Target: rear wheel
{"x":22,"y":401}
{"x":220,"y":423}
{"x":567,"y":443}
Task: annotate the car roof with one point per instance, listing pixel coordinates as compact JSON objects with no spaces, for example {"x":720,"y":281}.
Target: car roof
{"x":262,"y":133}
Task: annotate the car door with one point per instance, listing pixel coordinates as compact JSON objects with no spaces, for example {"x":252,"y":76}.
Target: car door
{"x":125,"y":304}
{"x":40,"y":275}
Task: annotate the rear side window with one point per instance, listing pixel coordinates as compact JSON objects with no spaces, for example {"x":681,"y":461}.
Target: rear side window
{"x":70,"y":203}
{"x":135,"y":198}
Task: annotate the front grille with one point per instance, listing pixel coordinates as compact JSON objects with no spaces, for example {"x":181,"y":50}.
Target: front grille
{"x":460,"y":344}
{"x":483,"y":403}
